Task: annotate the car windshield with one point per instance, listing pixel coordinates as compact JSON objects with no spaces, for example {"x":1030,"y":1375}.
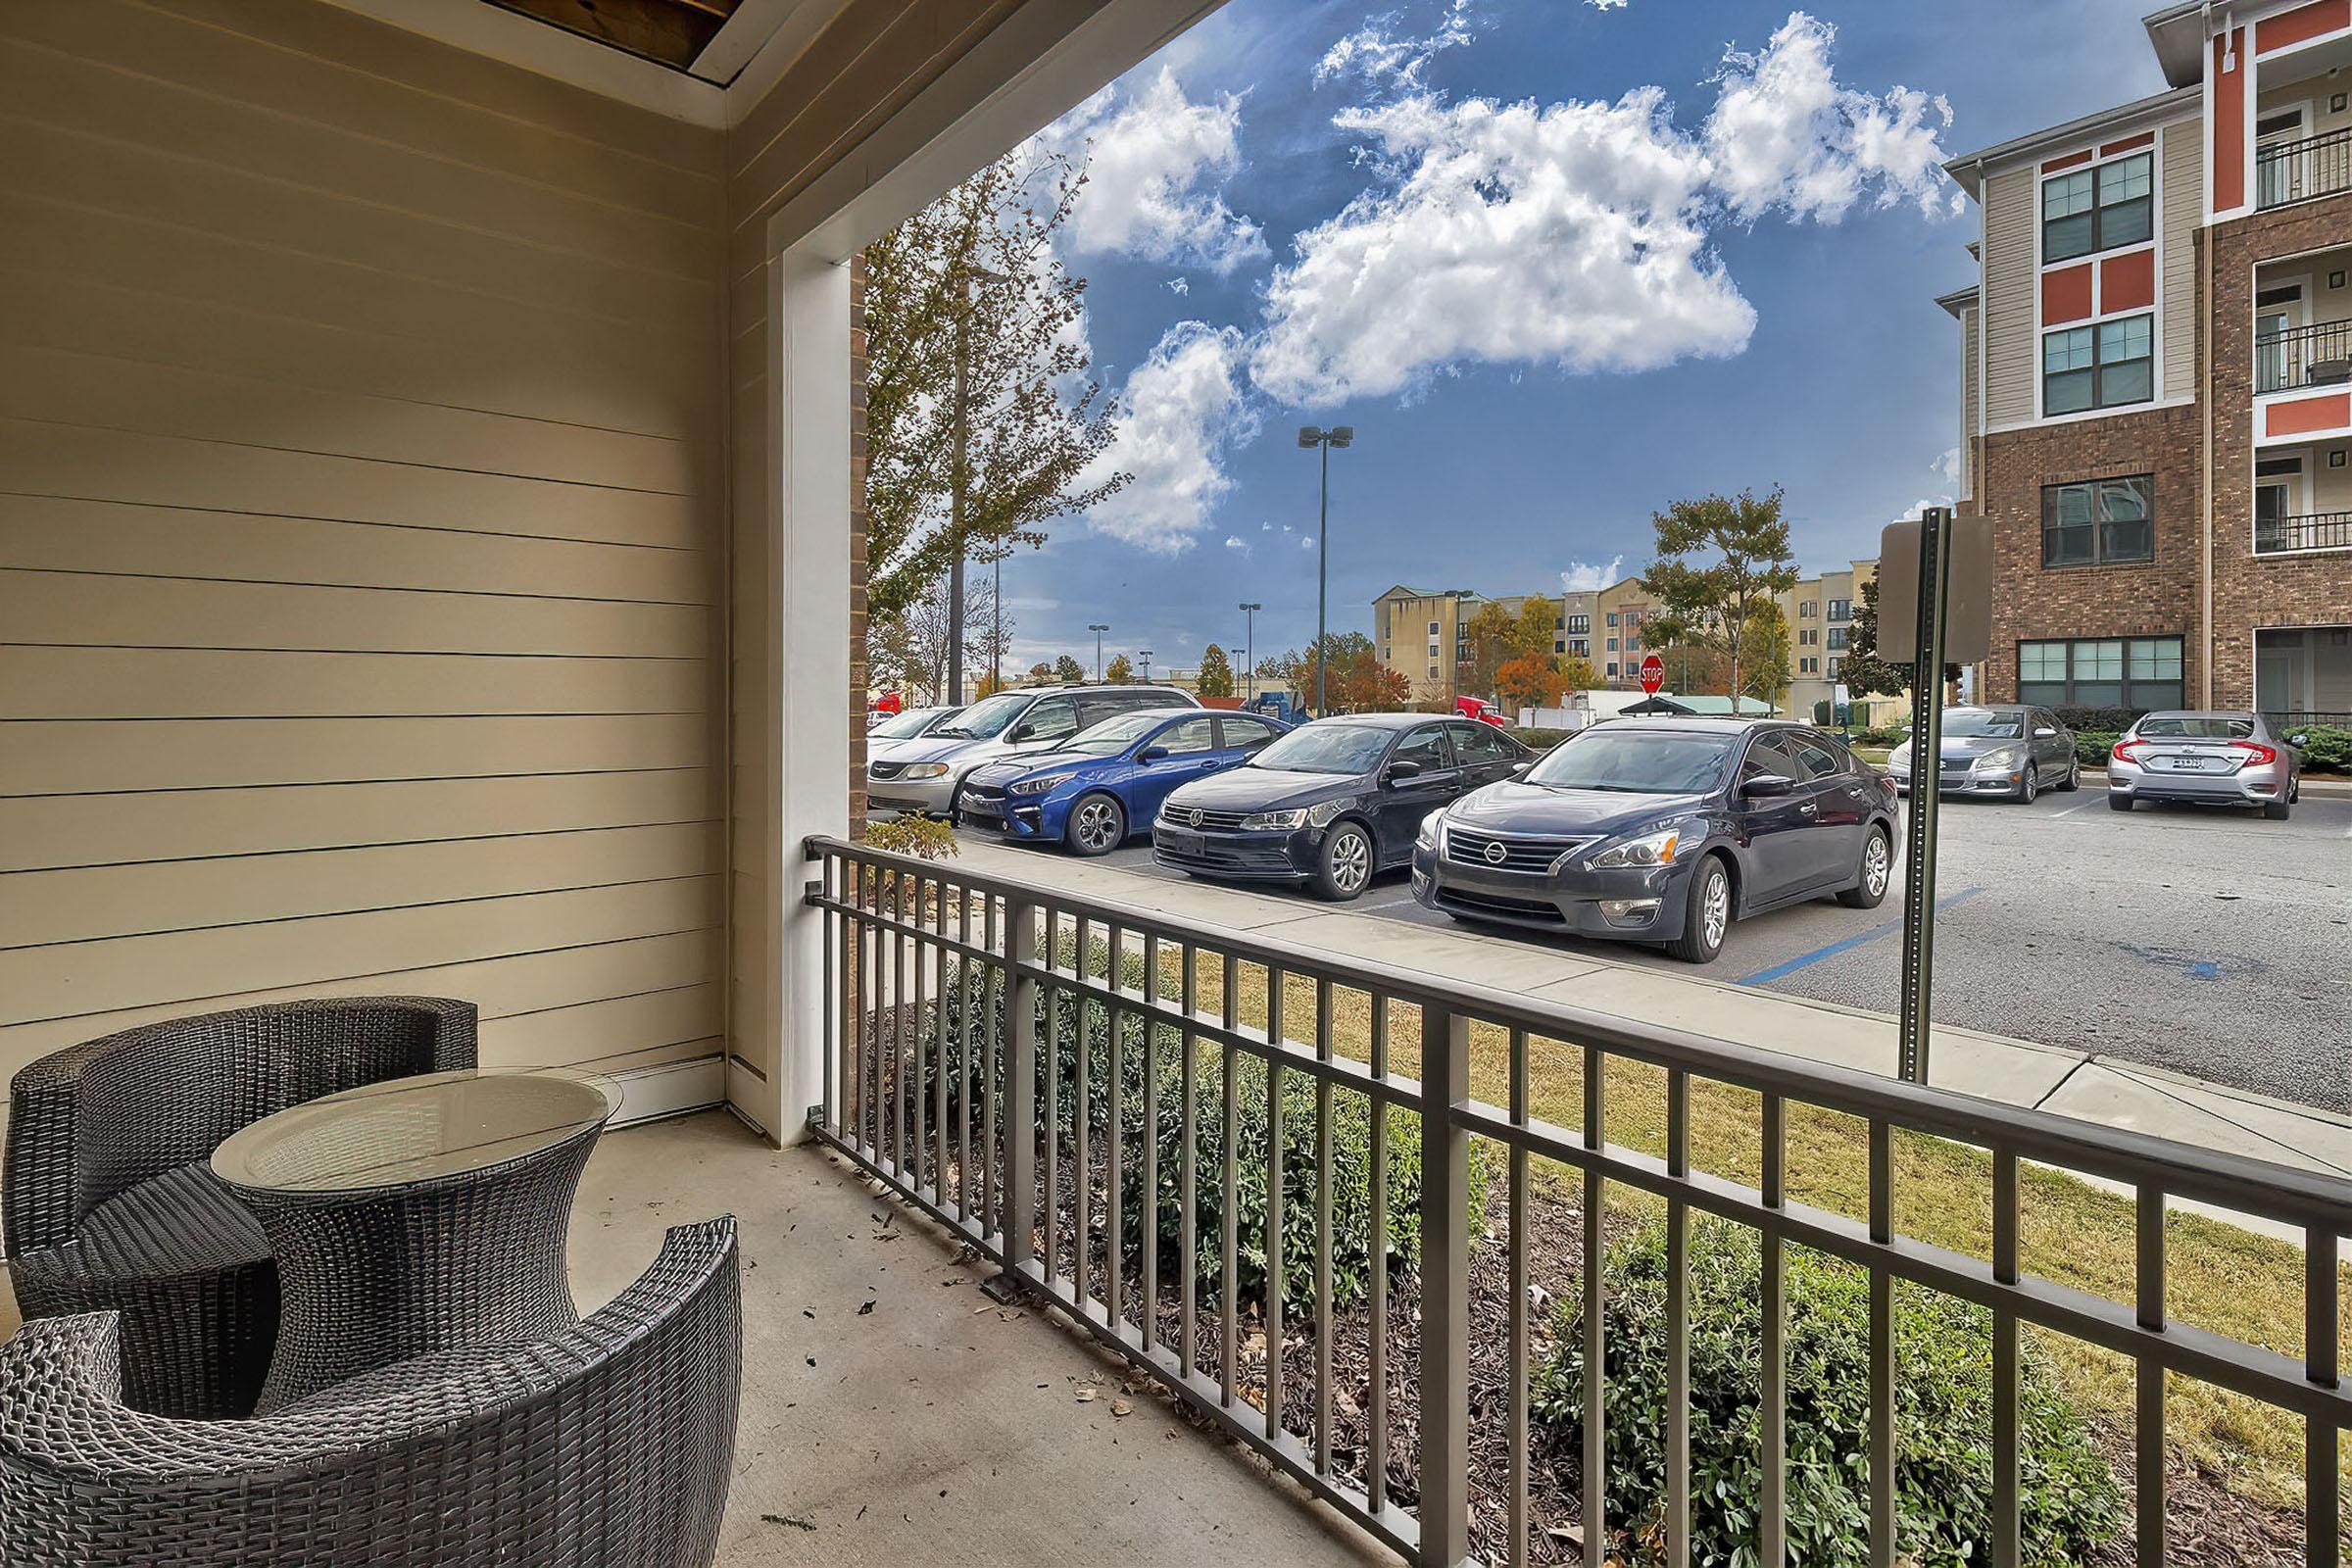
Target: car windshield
{"x":1114,"y":735}
{"x":1983,"y":724}
{"x":2199,"y":727}
{"x":1326,"y":749}
{"x":1634,"y":761}
{"x":901,"y":726}
{"x":986,"y":717}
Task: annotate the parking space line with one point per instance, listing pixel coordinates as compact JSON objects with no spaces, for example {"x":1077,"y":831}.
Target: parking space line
{"x":2072,"y":809}
{"x":1803,"y":961}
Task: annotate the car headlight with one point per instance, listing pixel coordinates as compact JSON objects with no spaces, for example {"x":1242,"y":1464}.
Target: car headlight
{"x":2002,"y":756}
{"x":1039,"y":786}
{"x":1268,"y":822}
{"x":926,"y":771}
{"x":1650,"y":848}
{"x":1433,"y":831}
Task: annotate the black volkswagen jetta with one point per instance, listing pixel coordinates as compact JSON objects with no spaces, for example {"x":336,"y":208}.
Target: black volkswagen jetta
{"x":1664,"y":831}
{"x":1333,"y":803}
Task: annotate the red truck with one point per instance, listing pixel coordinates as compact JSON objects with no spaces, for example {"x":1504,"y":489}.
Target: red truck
{"x":1480,"y":709}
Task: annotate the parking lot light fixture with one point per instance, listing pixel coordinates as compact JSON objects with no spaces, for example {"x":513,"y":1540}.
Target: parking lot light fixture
{"x":1098,"y":628}
{"x":1338,"y":435}
{"x":1249,"y":650}
{"x":1145,"y":653}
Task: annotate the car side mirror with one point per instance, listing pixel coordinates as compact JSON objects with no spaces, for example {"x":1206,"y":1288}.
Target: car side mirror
{"x":1768,"y":784}
{"x":2298,"y":740}
{"x":1153,"y":754}
{"x":1403,"y":769}
{"x":2043,"y":734}
{"x":1519,"y":770}
{"x":1021,"y":733}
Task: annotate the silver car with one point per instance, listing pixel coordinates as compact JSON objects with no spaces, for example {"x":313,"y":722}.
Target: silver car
{"x":2221,"y":759}
{"x":2009,"y":750}
{"x":922,"y":775}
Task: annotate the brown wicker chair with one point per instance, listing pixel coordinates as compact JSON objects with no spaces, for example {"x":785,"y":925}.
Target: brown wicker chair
{"x":606,"y":1445}
{"x":110,"y":1206}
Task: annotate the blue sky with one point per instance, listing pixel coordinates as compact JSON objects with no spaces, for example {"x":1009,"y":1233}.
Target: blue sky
{"x":1559,"y":262}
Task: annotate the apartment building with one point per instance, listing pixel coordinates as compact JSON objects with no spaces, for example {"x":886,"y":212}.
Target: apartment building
{"x":1620,"y":611}
{"x":2156,"y":377}
{"x":1414,"y":630}
{"x":1820,"y":611}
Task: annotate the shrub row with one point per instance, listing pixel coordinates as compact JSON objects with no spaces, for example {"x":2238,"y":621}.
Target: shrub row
{"x":2067,"y":1497}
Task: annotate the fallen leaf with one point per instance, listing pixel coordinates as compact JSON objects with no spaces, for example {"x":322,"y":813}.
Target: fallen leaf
{"x":865,"y":1309}
{"x":1120,"y":1407}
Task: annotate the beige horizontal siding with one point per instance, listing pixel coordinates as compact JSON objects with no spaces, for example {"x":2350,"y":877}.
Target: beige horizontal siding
{"x":1970,"y":413}
{"x":362,"y":551}
{"x":2010,"y":303}
{"x":2182,"y":156}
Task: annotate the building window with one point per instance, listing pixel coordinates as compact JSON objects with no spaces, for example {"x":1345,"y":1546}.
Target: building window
{"x":2101,"y":366}
{"x":1432,"y":629}
{"x":2143,"y":672}
{"x":1834,"y":669}
{"x":1612,"y":645}
{"x":1579,"y":625}
{"x":2098,"y":208}
{"x":1612,"y":670}
{"x":1837,"y":635}
{"x":2100,"y":523}
{"x":1840,"y":609}
{"x":1433,"y":672}
{"x":1579,"y":645}
{"x":1807,"y":609}
{"x":1612,"y":618}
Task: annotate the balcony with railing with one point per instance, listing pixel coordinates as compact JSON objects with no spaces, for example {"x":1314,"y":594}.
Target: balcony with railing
{"x":2302,"y":170}
{"x":2291,"y":534}
{"x":2302,"y":356}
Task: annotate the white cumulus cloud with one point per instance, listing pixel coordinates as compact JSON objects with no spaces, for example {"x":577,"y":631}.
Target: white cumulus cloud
{"x":1785,"y":133}
{"x":1234,"y":542}
{"x":1383,"y":59}
{"x":1586,"y":576}
{"x":1180,"y":410}
{"x":1155,"y":162}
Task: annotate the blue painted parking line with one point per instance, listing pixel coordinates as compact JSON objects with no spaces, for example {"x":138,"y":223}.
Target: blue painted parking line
{"x":1805,"y":961}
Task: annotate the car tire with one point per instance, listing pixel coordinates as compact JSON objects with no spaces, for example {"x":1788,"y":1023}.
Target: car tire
{"x":1096,"y":825}
{"x":2028,"y":783}
{"x":1344,"y":868}
{"x":2118,"y":802}
{"x":2276,"y":810}
{"x":1871,"y":878}
{"x":2074,"y":777}
{"x":1706,"y":914}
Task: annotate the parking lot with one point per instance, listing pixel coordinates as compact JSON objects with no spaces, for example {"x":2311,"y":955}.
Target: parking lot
{"x":2212,"y":943}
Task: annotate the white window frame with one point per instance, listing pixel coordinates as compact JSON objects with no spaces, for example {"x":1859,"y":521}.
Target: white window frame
{"x":2094,"y":260}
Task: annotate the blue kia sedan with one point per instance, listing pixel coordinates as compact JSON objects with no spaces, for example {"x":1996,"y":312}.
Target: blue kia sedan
{"x":1109,"y":781}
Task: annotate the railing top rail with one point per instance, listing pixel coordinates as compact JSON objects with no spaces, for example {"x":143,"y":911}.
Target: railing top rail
{"x":2264,"y":1188}
{"x":2271,"y":151}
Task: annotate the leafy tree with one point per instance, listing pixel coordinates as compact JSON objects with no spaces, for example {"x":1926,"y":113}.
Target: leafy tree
{"x":1535,"y":633}
{"x":1525,"y":682}
{"x":1764,"y":654}
{"x":1718,"y":557}
{"x":1694,"y":669}
{"x":1120,"y":672}
{"x":1216,"y":673}
{"x":1864,"y":672}
{"x":1369,"y":686}
{"x":1069,"y":670}
{"x":988,"y":685}
{"x":975,"y":280}
{"x":1577,"y":673}
{"x":1489,"y":634}
{"x":1348,"y":654}
{"x":1041,"y":673}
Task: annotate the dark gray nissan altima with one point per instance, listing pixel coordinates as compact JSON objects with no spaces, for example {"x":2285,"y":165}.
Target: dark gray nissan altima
{"x":1664,"y":831}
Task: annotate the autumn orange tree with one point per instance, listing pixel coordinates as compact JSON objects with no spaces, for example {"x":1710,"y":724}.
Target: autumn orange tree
{"x":1528,"y":682}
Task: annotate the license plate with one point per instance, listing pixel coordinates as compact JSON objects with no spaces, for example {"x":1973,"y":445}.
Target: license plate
{"x":2198,"y":764}
{"x":1178,"y":839}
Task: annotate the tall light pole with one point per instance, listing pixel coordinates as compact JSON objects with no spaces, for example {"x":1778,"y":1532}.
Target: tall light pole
{"x":1338,"y":435}
{"x":1249,"y":651}
{"x":1097,"y":630}
{"x":1145,"y":653}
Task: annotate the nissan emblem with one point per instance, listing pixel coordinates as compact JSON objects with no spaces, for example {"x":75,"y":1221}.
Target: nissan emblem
{"x":1495,"y":853}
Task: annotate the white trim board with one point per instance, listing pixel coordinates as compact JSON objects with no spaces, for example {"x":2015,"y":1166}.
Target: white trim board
{"x":673,"y":1088}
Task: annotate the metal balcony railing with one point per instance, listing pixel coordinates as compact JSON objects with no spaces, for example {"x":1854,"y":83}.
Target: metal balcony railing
{"x":2288,"y":172}
{"x":951,"y":1075}
{"x":2313,"y":530}
{"x":2318,"y":355}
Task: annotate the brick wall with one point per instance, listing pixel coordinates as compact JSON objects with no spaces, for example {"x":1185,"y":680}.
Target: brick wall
{"x":856,"y":692}
{"x":2251,"y":591}
{"x":2158,"y":599}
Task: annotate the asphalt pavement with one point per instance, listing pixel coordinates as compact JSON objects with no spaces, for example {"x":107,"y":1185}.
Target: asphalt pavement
{"x":2210,"y":943}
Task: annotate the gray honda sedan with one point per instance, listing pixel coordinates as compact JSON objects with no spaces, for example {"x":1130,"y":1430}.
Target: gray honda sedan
{"x":2222,"y":759}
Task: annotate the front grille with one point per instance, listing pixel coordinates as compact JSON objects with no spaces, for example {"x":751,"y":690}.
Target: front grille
{"x":1206,"y":821}
{"x":1488,"y":904}
{"x":887,"y":769}
{"x":983,"y":792}
{"x":1957,"y":765}
{"x":1215,"y":856}
{"x":1520,"y":853}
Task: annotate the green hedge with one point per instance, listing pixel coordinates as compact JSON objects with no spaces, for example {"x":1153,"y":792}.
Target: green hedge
{"x":2326,"y":748}
{"x":2092,"y":745}
{"x":1073,"y":1018}
{"x":1943,"y":1415}
{"x":1539,"y":739}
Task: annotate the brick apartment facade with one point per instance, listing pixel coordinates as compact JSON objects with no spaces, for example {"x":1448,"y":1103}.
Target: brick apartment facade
{"x":2156,"y":380}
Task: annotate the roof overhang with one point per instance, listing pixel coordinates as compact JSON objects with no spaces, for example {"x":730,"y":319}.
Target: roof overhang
{"x":2177,"y":34}
{"x":1958,"y":300}
{"x":1969,"y":170}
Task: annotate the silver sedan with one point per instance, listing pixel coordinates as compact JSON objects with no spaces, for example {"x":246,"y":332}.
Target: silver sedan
{"x":2226,"y":759}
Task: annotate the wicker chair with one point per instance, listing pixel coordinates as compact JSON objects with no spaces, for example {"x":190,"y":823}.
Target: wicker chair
{"x":607,"y":1445}
{"x":109,"y":1202}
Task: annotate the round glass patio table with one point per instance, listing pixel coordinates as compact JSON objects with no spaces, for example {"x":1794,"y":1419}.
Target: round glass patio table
{"x":416,"y":1216}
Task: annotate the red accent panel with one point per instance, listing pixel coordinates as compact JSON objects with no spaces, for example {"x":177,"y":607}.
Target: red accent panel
{"x":2229,"y":182}
{"x":2126,"y":282}
{"x":2320,"y":18}
{"x":2068,"y":162}
{"x":2066,"y":295}
{"x":2331,"y":411}
{"x":2146,"y":138}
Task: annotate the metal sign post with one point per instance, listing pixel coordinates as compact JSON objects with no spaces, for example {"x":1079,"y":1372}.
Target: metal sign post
{"x":1926,"y":765}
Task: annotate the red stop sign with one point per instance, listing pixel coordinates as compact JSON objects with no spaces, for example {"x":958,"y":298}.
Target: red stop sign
{"x":1653,"y":675}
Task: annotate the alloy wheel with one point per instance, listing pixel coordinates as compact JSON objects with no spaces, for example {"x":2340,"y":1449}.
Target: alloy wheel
{"x":1875,"y":859}
{"x":1715,"y":907}
{"x":1350,"y":860}
{"x":1095,"y":825}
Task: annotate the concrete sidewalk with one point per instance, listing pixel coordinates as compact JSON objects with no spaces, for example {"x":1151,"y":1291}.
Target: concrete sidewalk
{"x":2067,"y":1081}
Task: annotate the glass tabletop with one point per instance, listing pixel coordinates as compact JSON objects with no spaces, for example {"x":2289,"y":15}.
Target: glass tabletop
{"x":410,"y":1130}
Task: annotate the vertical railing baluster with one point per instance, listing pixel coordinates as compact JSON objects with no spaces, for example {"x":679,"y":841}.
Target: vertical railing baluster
{"x":1772,"y":1523}
{"x":898,"y":1025}
{"x":1274,"y":1204}
{"x":1595,"y":1456}
{"x":1021,"y":993}
{"x":942,"y":973}
{"x":1114,"y":1056}
{"x":1322,"y":1232}
{"x":995,"y":1003}
{"x":1148,"y":1220}
{"x":2148,"y":1401}
{"x":1517,"y":1334}
{"x":1376,"y":1456}
{"x":1050,"y":1065}
{"x":2322,"y":1502}
{"x":1881,"y":1349}
{"x":2008,"y":1540}
{"x":1082,"y":1121}
{"x":1677,"y":1321}
{"x":828,"y":880}
{"x":1187,"y":1177}
{"x":1444,"y":1287}
{"x":1229,"y":1205}
{"x":966,"y":972}
{"x":868,"y":1020}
